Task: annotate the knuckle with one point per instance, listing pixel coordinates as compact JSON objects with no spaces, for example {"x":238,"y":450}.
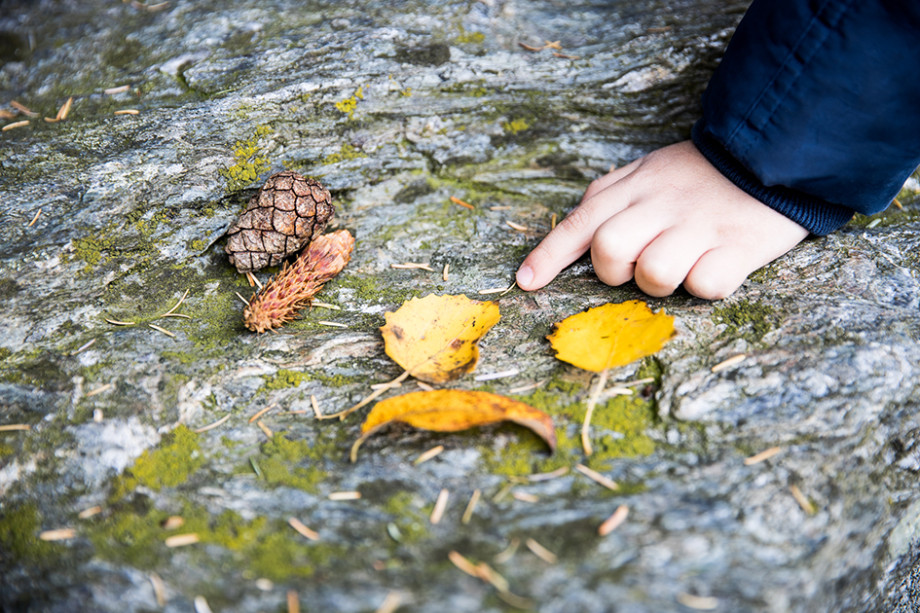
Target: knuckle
{"x":708,"y":287}
{"x":578,"y":220}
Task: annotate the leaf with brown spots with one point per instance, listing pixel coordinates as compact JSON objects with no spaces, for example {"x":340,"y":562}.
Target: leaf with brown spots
{"x":435,"y":338}
{"x":452,"y":411}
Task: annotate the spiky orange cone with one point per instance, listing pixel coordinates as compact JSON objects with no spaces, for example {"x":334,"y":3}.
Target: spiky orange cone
{"x":294,"y":287}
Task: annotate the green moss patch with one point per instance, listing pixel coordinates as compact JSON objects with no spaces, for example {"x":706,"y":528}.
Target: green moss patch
{"x":19,"y":530}
{"x":258,"y":548}
{"x":168,"y":465}
{"x":749,"y":320}
{"x":293,"y":463}
{"x":249,"y":162}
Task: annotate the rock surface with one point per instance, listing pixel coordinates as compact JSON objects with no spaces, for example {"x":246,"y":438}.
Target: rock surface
{"x":396,"y":107}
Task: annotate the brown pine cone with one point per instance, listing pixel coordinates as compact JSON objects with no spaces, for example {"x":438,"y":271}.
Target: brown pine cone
{"x":287,"y":213}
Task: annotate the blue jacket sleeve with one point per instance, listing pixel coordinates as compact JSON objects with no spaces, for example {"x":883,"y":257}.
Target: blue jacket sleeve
{"x":815,"y":107}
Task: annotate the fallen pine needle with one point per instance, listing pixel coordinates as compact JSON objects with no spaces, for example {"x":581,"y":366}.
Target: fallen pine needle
{"x":555,"y":474}
{"x":91,"y":511}
{"x":201,"y":605}
{"x":635,"y":382}
{"x":526,"y":388}
{"x":393,"y":601}
{"x":333,"y":324}
{"x":159,"y":589}
{"x":508,"y":552}
{"x":19,"y":106}
{"x":265,"y":429}
{"x":766,"y":454}
{"x":471,"y":507}
{"x":700,"y":603}
{"x":465,"y":205}
{"x":161,"y":329}
{"x":116,"y":90}
{"x":504,"y":491}
{"x":299,"y":526}
{"x":497,"y":290}
{"x":552,"y":44}
{"x":800,"y":498}
{"x":592,"y":402}
{"x":445,"y":272}
{"x":64,"y":111}
{"x":427,"y":455}
{"x":897,"y":203}
{"x":566,"y":56}
{"x":100,"y":390}
{"x":530,"y":48}
{"x":15,"y":124}
{"x":58,"y":534}
{"x":84,"y":346}
{"x":315,"y":404}
{"x":325,"y":305}
{"x":424,"y":386}
{"x":525,"y":497}
{"x":500,"y":208}
{"x":339,"y":496}
{"x":181,"y":540}
{"x":238,"y":295}
{"x":127,"y":112}
{"x":14,"y":427}
{"x":367,"y":400}
{"x":595,"y":476}
{"x":541,"y":552}
{"x":726,"y":364}
{"x":517,"y":226}
{"x":115,"y":322}
{"x":293,"y":602}
{"x":497,"y":375}
{"x":172,"y":312}
{"x":552,"y":222}
{"x":261,"y":412}
{"x":34,"y":219}
{"x":211,"y":426}
{"x":413,"y":266}
{"x":613,"y":522}
{"x":173,"y":522}
{"x":486,"y":573}
{"x":440,"y":506}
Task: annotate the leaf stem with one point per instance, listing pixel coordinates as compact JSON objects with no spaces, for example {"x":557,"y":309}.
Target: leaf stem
{"x":592,"y":402}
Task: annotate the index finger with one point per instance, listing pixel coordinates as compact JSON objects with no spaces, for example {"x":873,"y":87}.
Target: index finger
{"x":569,"y":240}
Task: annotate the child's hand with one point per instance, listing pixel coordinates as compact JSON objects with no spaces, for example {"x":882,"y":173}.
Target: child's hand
{"x":665,"y":219}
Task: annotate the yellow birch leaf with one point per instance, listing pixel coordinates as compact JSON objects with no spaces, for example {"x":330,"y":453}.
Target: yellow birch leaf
{"x":435,"y":338}
{"x":452,"y":411}
{"x":611,"y":335}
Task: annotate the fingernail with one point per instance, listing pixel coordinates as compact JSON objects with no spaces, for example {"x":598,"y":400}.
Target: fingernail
{"x":524,"y":275}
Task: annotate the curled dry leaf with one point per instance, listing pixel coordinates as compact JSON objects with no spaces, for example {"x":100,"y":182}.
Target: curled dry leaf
{"x":452,"y":411}
{"x":293,"y":288}
{"x":611,"y":335}
{"x":435,"y":338}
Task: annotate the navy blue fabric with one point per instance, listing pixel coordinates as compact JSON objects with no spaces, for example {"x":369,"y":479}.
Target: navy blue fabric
{"x":815,"y":107}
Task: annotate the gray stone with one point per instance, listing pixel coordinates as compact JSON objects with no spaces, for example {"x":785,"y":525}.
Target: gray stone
{"x":396,"y":108}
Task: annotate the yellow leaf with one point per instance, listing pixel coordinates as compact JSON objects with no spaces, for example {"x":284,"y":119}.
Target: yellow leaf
{"x":434,"y":338}
{"x":611,"y":335}
{"x":454,"y":410}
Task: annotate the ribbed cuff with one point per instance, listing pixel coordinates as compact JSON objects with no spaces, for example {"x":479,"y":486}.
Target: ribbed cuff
{"x":814,"y":214}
